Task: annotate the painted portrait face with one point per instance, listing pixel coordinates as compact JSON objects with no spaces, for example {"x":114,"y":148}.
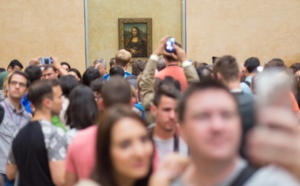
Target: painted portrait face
{"x":134,"y":32}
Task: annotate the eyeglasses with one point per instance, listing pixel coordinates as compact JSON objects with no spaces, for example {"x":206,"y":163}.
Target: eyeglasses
{"x":15,"y":83}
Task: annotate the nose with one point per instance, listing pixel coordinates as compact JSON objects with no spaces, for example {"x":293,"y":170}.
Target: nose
{"x":217,"y":123}
{"x":172,"y":114}
{"x":139,"y":149}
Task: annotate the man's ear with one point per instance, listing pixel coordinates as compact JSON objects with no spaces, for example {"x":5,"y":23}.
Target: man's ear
{"x":219,"y":76}
{"x":47,"y":103}
{"x":153,"y":110}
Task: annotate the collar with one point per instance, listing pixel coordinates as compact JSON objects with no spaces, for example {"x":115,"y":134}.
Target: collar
{"x":236,"y":90}
{"x":11,"y":106}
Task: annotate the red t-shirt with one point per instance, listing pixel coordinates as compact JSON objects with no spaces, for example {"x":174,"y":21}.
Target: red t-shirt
{"x":175,"y":72}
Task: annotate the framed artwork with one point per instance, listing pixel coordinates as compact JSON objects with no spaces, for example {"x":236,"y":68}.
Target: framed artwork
{"x":135,"y":35}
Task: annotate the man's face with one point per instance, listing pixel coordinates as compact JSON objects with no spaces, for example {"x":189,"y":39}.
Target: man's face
{"x":165,"y":114}
{"x":101,"y":69}
{"x":212,"y":125}
{"x":49,"y":74}
{"x":57,"y":100}
{"x":17,"y":86}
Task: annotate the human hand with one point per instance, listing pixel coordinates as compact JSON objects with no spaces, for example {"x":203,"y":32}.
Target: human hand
{"x":276,"y":140}
{"x":35,"y":61}
{"x":180,"y":54}
{"x":55,"y":63}
{"x":170,"y":168}
{"x":160,"y":49}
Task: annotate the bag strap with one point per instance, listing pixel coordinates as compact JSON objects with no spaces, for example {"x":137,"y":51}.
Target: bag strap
{"x":176,"y":139}
{"x":245,"y":174}
{"x":2,"y":112}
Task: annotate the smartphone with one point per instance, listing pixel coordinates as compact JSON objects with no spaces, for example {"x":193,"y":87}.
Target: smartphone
{"x":46,"y":61}
{"x":170,"y":45}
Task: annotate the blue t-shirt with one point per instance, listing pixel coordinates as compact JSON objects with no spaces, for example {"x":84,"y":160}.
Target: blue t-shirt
{"x":107,"y":76}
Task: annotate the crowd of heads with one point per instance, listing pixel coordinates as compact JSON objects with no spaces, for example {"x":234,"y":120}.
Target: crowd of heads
{"x":130,"y":122}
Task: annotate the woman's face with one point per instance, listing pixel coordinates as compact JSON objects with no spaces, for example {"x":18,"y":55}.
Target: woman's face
{"x":73,"y":74}
{"x":131,"y":149}
{"x":134,"y":32}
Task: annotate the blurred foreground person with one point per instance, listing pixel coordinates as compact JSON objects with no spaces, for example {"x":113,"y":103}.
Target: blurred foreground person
{"x":81,"y":152}
{"x":39,"y":149}
{"x":213,"y":132}
{"x":276,"y":118}
{"x":124,"y":157}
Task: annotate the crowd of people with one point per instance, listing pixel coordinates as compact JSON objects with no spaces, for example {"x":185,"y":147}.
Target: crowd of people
{"x":171,"y":122}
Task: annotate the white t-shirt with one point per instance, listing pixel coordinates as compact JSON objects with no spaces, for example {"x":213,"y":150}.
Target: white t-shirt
{"x":165,"y":147}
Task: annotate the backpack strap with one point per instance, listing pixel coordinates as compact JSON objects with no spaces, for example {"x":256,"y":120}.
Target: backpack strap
{"x":245,"y":174}
{"x":247,"y":83}
{"x":2,"y":112}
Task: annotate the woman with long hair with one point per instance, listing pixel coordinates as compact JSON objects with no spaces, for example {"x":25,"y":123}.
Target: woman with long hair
{"x":82,"y":111}
{"x":124,"y":150}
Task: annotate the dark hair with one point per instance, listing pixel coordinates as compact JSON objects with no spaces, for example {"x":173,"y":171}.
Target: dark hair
{"x":276,"y":62}
{"x":112,"y":62}
{"x":161,"y":64}
{"x":18,"y":72}
{"x":138,"y":66}
{"x":89,"y":75}
{"x":199,"y":87}
{"x":76,"y":72}
{"x":168,"y":87}
{"x":66,"y":63}
{"x":295,"y":67}
{"x":227,"y":67}
{"x":204,"y":73}
{"x":97,"y":85}
{"x":116,"y":70}
{"x":82,"y":111}
{"x":2,"y":70}
{"x":34,"y":73}
{"x":46,"y":67}
{"x":104,"y":172}
{"x":68,"y":83}
{"x":14,"y":63}
{"x":170,"y":58}
{"x":251,"y":64}
{"x":116,"y":91}
{"x":39,"y":90}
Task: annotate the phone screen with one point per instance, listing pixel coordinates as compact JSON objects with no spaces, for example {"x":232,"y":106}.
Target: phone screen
{"x":170,"y":45}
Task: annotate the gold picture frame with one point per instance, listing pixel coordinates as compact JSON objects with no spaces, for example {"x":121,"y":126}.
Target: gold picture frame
{"x":135,"y":35}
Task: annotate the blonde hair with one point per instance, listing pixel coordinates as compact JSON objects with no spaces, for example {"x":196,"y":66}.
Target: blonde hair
{"x":123,"y":57}
{"x":5,"y":83}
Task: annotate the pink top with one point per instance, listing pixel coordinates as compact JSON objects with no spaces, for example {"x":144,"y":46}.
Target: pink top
{"x":175,"y":72}
{"x":81,"y":155}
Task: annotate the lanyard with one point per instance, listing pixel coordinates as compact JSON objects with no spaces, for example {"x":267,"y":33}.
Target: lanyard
{"x":11,"y":116}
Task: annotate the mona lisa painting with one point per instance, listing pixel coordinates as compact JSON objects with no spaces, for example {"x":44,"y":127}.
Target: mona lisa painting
{"x":135,"y":35}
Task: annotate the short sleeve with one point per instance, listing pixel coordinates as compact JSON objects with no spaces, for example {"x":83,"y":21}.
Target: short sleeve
{"x":70,"y":167}
{"x":57,"y":145}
